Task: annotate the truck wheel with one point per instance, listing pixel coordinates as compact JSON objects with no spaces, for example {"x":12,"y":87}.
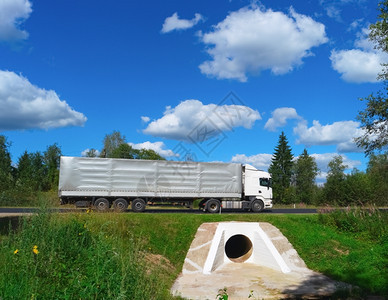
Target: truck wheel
{"x":120,"y":205}
{"x":138,"y":205}
{"x":257,"y":206}
{"x":213,"y":206}
{"x":202,"y":205}
{"x":102,"y":204}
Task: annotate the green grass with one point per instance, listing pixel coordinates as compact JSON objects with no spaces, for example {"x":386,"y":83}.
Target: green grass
{"x":138,"y":256}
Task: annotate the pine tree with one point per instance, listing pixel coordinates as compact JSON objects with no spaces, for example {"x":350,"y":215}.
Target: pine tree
{"x":306,"y":171}
{"x":5,"y":165}
{"x":281,"y":168}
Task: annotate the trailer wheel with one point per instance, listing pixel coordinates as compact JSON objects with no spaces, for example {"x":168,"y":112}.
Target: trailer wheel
{"x":213,"y":206}
{"x":120,"y":205}
{"x":257,"y":206}
{"x":138,"y":205}
{"x":202,"y":205}
{"x":101,"y":204}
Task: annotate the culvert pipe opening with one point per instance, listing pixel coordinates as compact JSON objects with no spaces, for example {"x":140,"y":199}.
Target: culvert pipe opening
{"x":238,"y":248}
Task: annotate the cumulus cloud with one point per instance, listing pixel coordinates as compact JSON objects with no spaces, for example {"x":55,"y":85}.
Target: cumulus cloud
{"x":12,"y":14}
{"x":263,"y":161}
{"x":260,"y":161}
{"x":362,"y":64}
{"x":340,"y":133}
{"x":192,"y":121}
{"x":253,"y":39}
{"x":26,"y":106}
{"x":323,"y":160}
{"x":175,"y":23}
{"x":279,"y":118}
{"x":158,"y":147}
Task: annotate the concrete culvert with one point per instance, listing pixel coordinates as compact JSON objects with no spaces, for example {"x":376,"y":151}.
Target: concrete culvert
{"x":238,"y":248}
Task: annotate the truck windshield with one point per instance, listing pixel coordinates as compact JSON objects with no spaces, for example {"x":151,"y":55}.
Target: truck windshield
{"x":265,"y":182}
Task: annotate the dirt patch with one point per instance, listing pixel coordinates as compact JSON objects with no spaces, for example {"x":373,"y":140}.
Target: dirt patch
{"x":158,"y":261}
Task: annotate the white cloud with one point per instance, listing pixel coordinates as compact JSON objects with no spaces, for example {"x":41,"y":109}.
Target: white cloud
{"x":356,"y":24}
{"x":341,"y":134}
{"x":158,"y":147}
{"x":323,"y":160}
{"x":12,"y":14}
{"x":174,"y":23}
{"x":279,"y":118}
{"x":362,"y":64}
{"x":192,"y":121}
{"x":260,"y":161}
{"x":333,"y":12}
{"x":263,"y":161}
{"x":26,"y":106}
{"x":253,"y":39}
{"x":145,"y":119}
{"x":334,"y":8}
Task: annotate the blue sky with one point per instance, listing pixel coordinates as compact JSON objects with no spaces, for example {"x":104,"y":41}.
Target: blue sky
{"x":217,"y":80}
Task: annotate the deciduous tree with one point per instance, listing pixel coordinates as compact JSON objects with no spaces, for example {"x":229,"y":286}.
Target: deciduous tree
{"x":378,"y":173}
{"x":111,"y":142}
{"x":374,"y":119}
{"x":334,"y":189}
{"x":306,"y":170}
{"x":52,"y":157}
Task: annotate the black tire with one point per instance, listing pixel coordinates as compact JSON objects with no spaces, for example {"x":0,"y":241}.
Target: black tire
{"x":257,"y":206}
{"x":138,"y":205}
{"x":202,"y":205}
{"x":102,"y":204}
{"x":120,"y":205}
{"x":213,"y":206}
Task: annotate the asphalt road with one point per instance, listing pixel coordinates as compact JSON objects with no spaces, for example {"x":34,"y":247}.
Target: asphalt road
{"x":16,"y":210}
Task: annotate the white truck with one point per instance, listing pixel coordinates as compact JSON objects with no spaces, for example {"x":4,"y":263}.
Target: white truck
{"x":106,"y":182}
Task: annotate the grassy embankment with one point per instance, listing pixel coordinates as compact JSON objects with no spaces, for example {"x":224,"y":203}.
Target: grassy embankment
{"x":138,"y":256}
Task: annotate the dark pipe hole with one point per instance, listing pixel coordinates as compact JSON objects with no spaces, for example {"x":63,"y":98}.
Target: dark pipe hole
{"x":238,"y":248}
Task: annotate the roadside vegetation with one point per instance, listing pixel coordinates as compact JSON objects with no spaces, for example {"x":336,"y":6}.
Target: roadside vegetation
{"x":138,"y":256}
{"x":34,"y":178}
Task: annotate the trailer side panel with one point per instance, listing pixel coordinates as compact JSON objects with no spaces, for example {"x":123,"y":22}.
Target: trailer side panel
{"x":81,"y":176}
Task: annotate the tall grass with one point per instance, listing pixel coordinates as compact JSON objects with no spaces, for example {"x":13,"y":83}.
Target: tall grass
{"x":60,"y":258}
{"x":138,"y":256}
{"x":20,"y":198}
{"x":367,"y":223}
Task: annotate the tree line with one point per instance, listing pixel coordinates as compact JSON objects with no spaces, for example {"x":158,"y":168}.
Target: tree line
{"x":294,"y":179}
{"x":37,"y":173}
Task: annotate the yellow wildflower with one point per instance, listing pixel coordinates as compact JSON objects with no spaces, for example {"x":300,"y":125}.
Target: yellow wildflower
{"x":35,"y":250}
{"x":16,"y":251}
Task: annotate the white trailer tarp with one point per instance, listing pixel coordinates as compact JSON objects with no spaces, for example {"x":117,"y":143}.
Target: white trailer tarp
{"x":81,"y":176}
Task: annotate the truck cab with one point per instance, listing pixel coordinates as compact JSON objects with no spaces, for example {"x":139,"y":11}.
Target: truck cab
{"x":257,"y":187}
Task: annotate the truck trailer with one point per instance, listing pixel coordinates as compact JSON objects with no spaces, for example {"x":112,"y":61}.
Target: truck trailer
{"x":106,"y":183}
